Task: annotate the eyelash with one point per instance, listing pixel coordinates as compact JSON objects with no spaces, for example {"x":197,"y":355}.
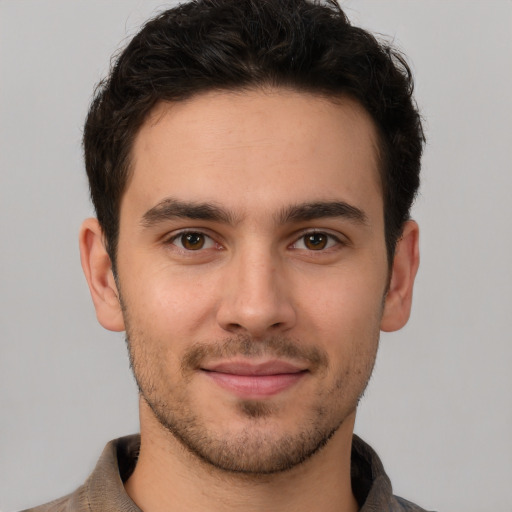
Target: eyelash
{"x":331,"y":241}
{"x":179,"y":236}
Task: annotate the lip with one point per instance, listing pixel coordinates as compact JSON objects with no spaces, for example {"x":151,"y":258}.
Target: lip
{"x":251,"y":380}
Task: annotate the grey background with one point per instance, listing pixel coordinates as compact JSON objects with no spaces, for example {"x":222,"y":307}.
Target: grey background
{"x":439,"y":407}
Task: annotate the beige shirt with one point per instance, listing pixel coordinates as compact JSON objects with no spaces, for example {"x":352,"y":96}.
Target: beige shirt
{"x":104,"y":491}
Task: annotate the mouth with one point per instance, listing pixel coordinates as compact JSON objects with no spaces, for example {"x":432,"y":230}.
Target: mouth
{"x":254,"y":380}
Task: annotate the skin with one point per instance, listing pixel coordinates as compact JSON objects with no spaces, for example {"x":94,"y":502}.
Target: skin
{"x":265,"y":279}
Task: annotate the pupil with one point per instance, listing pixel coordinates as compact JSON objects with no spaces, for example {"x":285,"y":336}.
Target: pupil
{"x":316,"y":241}
{"x":193,"y":241}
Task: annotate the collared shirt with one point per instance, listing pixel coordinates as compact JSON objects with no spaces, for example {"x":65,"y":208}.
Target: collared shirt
{"x":104,"y":491}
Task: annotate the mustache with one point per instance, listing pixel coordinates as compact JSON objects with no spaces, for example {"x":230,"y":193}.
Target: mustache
{"x":247,"y":346}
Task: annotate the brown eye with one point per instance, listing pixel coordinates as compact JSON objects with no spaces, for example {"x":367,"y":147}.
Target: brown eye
{"x":192,"y":241}
{"x":316,"y":241}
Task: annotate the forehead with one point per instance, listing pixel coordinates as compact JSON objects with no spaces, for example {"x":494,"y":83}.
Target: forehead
{"x":256,"y":147}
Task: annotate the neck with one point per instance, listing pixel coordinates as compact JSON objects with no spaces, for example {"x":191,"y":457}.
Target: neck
{"x":169,"y":478}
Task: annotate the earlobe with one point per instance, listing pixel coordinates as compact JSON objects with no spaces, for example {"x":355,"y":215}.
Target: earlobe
{"x":97,"y":268}
{"x":397,"y":306}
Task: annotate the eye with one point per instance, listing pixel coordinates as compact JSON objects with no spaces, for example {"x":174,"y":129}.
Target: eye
{"x":192,"y":241}
{"x":316,"y":241}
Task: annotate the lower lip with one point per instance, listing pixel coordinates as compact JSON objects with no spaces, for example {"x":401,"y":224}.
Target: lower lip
{"x":255,"y":386}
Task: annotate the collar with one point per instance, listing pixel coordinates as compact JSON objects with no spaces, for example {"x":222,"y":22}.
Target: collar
{"x":104,"y":490}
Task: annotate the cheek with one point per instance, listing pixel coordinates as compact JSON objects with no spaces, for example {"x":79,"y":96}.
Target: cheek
{"x":346,"y":302}
{"x":344,"y":318}
{"x":169,"y":304}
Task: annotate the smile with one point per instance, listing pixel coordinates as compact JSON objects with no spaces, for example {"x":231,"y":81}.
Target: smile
{"x":253,"y":381}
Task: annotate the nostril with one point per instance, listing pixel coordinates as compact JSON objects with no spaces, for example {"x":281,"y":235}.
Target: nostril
{"x":233,"y":327}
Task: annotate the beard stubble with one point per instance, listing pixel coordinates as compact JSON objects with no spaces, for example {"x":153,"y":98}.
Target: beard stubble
{"x":255,"y":449}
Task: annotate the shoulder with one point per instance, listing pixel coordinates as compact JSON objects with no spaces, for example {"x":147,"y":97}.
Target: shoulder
{"x":403,"y":505}
{"x":73,"y":502}
{"x":103,"y":491}
{"x":370,"y":483}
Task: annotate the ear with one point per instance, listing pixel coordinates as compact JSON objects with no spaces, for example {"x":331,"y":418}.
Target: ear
{"x":398,"y":300}
{"x":97,"y":268}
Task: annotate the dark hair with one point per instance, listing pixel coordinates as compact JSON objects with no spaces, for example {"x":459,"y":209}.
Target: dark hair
{"x":205,"y":45}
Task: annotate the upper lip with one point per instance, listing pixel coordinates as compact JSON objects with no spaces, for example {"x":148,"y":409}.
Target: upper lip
{"x":248,"y":368}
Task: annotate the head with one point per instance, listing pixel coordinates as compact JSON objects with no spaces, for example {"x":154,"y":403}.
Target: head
{"x":235,"y":45}
{"x":252,"y":164}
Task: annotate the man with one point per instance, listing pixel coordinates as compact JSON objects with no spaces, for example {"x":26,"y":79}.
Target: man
{"x":252,"y":165}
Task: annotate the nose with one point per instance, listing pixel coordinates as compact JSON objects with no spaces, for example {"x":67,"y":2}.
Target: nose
{"x":256,"y":296}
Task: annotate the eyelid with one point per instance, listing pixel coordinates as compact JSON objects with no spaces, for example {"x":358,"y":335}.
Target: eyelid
{"x":338,"y":238}
{"x":169,"y":239}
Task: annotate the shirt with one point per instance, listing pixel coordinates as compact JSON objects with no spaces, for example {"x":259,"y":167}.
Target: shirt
{"x":104,"y":491}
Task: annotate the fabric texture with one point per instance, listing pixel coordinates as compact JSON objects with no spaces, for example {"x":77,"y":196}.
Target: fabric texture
{"x":103,"y":491}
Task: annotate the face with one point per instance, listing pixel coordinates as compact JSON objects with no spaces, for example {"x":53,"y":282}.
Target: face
{"x":252,"y":272}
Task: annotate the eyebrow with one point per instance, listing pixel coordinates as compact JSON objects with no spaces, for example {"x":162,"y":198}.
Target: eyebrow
{"x":170,"y":208}
{"x":321,"y":209}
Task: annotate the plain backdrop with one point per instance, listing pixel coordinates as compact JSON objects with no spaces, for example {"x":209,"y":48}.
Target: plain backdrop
{"x":438,"y":409}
